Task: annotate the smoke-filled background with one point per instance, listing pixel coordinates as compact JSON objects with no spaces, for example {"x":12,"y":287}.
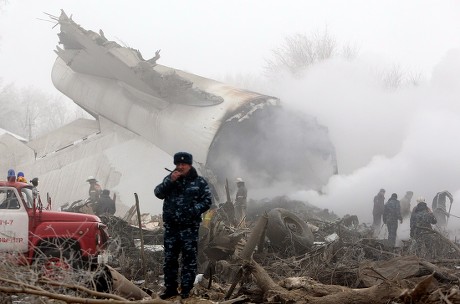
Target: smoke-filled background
{"x":399,"y":139}
{"x":382,"y":76}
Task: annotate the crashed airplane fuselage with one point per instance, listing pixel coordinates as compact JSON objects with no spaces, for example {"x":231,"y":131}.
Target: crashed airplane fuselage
{"x":145,"y":112}
{"x":227,"y":129}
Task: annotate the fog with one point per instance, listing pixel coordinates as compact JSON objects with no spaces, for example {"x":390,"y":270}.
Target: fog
{"x":397,"y":139}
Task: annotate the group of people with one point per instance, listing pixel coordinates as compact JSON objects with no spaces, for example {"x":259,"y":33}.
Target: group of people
{"x":99,"y":199}
{"x":12,"y":177}
{"x":421,"y":217}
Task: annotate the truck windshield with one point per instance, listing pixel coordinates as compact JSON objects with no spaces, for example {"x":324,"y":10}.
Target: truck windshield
{"x":8,"y":199}
{"x":27,"y":197}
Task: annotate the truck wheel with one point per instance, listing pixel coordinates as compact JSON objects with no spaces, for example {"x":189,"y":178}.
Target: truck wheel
{"x":287,"y":230}
{"x":55,"y":255}
{"x":51,"y":264}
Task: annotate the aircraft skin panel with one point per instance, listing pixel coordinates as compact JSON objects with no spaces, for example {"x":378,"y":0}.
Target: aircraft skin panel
{"x":170,"y":127}
{"x":75,"y":131}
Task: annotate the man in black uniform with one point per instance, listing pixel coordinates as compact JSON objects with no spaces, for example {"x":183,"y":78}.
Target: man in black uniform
{"x":379,"y":205}
{"x":186,"y":196}
{"x":391,"y":215}
{"x":420,"y":227}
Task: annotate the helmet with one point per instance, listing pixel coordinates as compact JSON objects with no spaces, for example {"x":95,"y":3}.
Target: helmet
{"x":421,"y":199}
{"x":239,"y":180}
{"x":20,"y":174}
{"x":11,"y":173}
{"x":91,"y":178}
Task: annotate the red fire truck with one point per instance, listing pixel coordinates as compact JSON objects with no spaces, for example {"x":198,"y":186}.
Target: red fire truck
{"x":30,"y":232}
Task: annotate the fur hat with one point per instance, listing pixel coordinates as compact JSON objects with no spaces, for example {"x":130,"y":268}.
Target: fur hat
{"x":183,"y":157}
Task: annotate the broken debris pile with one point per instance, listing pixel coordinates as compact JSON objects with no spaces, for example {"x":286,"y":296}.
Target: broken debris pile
{"x":339,"y":262}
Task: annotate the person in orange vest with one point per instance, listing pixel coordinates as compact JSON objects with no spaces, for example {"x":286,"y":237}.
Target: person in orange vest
{"x":21,"y":178}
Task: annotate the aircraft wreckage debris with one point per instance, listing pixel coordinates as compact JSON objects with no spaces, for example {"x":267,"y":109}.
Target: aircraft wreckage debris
{"x":244,"y":266}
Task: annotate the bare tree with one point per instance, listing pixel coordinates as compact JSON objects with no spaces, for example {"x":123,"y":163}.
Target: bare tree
{"x":415,"y":78}
{"x":3,"y":3}
{"x":9,"y":112}
{"x":300,"y":51}
{"x":349,"y":52}
{"x":392,"y":78}
{"x":30,"y":112}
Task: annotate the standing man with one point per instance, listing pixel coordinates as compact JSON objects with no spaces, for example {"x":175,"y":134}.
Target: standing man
{"x":185,"y":197}
{"x":241,"y":202}
{"x":439,"y":207}
{"x":94,"y":190}
{"x":405,"y":204}
{"x":379,"y":204}
{"x":420,"y":225}
{"x":391,"y":215}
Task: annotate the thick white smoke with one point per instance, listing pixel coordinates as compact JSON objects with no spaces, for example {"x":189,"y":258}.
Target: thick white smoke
{"x":400,"y":140}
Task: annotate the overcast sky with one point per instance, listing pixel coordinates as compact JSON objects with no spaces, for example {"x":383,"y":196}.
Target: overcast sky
{"x":214,"y":38}
{"x":399,"y":140}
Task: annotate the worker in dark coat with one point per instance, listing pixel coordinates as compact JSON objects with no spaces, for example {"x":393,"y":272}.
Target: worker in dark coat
{"x":420,"y":226}
{"x":186,"y":196}
{"x":105,"y":205}
{"x":405,"y":204}
{"x":377,"y":211}
{"x":391,"y":215}
{"x":439,"y":206}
